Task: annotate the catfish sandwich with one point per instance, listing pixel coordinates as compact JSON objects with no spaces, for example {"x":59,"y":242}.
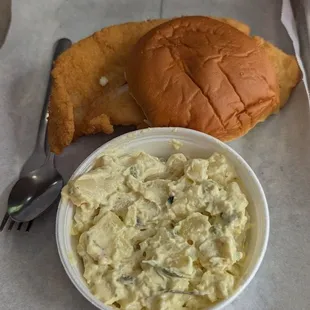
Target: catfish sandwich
{"x":198,"y":72}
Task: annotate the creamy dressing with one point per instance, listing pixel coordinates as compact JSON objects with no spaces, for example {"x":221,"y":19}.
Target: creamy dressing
{"x":150,"y":230}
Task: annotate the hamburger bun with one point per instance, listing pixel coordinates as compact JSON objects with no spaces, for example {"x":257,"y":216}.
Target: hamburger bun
{"x":204,"y":74}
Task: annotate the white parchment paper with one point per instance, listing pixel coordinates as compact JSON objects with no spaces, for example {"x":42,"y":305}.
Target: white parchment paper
{"x":298,"y":30}
{"x":31,"y":275}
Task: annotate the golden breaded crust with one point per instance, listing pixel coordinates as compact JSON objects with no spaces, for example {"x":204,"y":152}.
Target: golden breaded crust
{"x":286,"y":66}
{"x":79,"y":104}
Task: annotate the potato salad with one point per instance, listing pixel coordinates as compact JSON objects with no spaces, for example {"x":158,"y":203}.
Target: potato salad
{"x":160,"y":234}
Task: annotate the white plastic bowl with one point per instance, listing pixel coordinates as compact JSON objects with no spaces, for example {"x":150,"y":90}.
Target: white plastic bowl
{"x":157,"y":142}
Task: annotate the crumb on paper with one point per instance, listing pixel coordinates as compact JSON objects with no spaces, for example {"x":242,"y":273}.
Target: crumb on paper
{"x":174,"y":129}
{"x":103,"y":81}
{"x":176,"y":144}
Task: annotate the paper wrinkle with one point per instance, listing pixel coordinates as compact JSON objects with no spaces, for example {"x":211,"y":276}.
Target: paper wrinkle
{"x":288,"y":20}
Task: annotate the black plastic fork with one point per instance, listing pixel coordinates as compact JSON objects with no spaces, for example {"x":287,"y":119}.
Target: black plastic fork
{"x":11,"y":224}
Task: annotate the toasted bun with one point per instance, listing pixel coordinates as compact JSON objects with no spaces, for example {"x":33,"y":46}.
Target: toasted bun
{"x":201,"y":73}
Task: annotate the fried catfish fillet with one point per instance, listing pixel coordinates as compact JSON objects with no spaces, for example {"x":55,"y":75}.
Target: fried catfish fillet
{"x":287,"y":69}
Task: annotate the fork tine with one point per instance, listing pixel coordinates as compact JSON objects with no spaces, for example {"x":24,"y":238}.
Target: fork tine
{"x":5,"y":219}
{"x":11,"y":225}
{"x":29,"y":225}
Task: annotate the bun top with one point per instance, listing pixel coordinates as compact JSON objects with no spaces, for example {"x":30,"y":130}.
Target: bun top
{"x":200,"y":73}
